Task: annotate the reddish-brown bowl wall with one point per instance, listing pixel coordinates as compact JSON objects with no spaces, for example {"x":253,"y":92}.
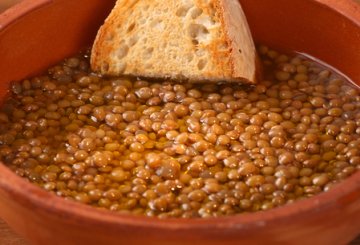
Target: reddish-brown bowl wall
{"x":47,"y":35}
{"x":313,"y":30}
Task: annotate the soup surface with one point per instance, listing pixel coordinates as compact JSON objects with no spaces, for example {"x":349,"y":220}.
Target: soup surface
{"x":170,"y":149}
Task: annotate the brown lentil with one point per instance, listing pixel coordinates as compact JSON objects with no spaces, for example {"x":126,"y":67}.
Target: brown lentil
{"x":182,"y":150}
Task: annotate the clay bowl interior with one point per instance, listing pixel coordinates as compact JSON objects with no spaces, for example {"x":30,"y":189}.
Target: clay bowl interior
{"x":38,"y":33}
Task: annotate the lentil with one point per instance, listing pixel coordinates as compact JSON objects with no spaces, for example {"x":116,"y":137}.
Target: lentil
{"x":182,"y":150}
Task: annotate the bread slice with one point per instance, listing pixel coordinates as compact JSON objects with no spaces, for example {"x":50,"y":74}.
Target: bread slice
{"x":196,"y":40}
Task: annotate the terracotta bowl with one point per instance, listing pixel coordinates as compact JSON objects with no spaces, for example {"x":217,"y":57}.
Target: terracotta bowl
{"x":38,"y":33}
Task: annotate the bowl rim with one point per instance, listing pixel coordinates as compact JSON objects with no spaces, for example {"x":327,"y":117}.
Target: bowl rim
{"x":35,"y":197}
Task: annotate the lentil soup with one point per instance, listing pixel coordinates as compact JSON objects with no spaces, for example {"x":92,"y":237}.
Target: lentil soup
{"x":170,"y":149}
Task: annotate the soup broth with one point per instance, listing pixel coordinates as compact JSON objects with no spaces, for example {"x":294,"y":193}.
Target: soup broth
{"x":174,"y":149}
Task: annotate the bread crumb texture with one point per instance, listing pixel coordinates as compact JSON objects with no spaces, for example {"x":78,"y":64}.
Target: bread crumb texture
{"x":177,"y":39}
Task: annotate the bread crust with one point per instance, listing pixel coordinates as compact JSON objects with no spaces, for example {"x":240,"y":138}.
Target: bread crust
{"x":243,"y":53}
{"x":210,"y":41}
